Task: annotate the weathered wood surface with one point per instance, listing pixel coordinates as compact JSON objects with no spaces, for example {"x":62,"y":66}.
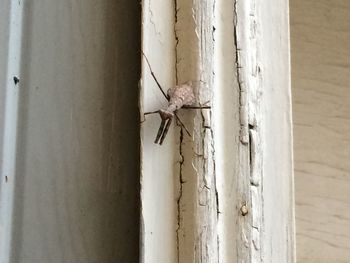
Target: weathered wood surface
{"x":321,"y":98}
{"x":223,"y":184}
{"x":74,"y":177}
{"x":198,"y":209}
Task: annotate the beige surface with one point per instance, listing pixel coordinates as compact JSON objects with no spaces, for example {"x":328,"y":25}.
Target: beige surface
{"x":321,"y":95}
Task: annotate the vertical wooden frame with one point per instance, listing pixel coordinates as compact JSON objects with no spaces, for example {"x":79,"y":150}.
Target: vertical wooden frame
{"x":228,"y":190}
{"x":159,"y":164}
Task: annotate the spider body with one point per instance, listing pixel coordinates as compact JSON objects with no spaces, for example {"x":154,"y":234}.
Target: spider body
{"x":178,"y":97}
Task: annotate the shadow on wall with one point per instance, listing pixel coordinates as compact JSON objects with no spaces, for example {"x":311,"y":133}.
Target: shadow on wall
{"x":77,"y":179}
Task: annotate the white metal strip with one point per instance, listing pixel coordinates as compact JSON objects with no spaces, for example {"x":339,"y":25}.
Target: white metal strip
{"x":8,"y":168}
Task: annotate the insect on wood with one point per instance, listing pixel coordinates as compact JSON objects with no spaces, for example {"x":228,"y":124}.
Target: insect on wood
{"x":180,"y":96}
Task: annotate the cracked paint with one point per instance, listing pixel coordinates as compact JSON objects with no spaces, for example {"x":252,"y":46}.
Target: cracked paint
{"x":179,"y":218}
{"x":199,"y":201}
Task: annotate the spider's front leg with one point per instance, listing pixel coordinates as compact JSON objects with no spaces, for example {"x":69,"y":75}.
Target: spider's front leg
{"x":167,"y":117}
{"x":178,"y":96}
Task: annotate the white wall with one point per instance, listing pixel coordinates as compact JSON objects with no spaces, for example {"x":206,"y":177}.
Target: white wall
{"x":76,"y":170}
{"x":321,"y":96}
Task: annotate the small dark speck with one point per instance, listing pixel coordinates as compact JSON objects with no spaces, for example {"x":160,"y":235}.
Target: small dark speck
{"x":6,"y":178}
{"x":36,"y":87}
{"x":16,"y":80}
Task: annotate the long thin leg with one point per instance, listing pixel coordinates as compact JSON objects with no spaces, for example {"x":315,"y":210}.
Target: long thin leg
{"x":154,"y":77}
{"x":161,"y":134}
{"x":182,"y":125}
{"x":178,"y":119}
{"x":160,"y":130}
{"x":196,"y":107}
{"x":165,"y":131}
{"x":163,"y":92}
{"x":151,"y":112}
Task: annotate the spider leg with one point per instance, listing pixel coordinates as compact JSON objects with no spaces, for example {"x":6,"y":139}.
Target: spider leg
{"x":165,"y":131}
{"x":154,"y":76}
{"x":201,"y":106}
{"x":182,"y":125}
{"x":150,"y":112}
{"x":160,"y":130}
{"x":196,"y":107}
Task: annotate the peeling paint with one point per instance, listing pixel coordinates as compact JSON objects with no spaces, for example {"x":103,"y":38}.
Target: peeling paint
{"x":202,"y":203}
{"x":246,"y":65}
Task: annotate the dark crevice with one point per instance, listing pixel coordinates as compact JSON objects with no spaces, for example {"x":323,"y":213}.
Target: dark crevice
{"x":181,"y":181}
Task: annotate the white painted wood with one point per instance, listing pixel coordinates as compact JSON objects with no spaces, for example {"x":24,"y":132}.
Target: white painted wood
{"x":69,"y":131}
{"x":227,"y":198}
{"x":321,"y":95}
{"x":262,"y":67}
{"x":278,"y":187}
{"x":198,"y":211}
{"x":159,"y":164}
{"x":227,"y":127}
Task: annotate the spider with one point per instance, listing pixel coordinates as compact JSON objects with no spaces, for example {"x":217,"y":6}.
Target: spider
{"x":180,"y":96}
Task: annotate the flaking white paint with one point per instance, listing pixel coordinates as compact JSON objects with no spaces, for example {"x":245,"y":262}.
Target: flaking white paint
{"x":224,"y":169}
